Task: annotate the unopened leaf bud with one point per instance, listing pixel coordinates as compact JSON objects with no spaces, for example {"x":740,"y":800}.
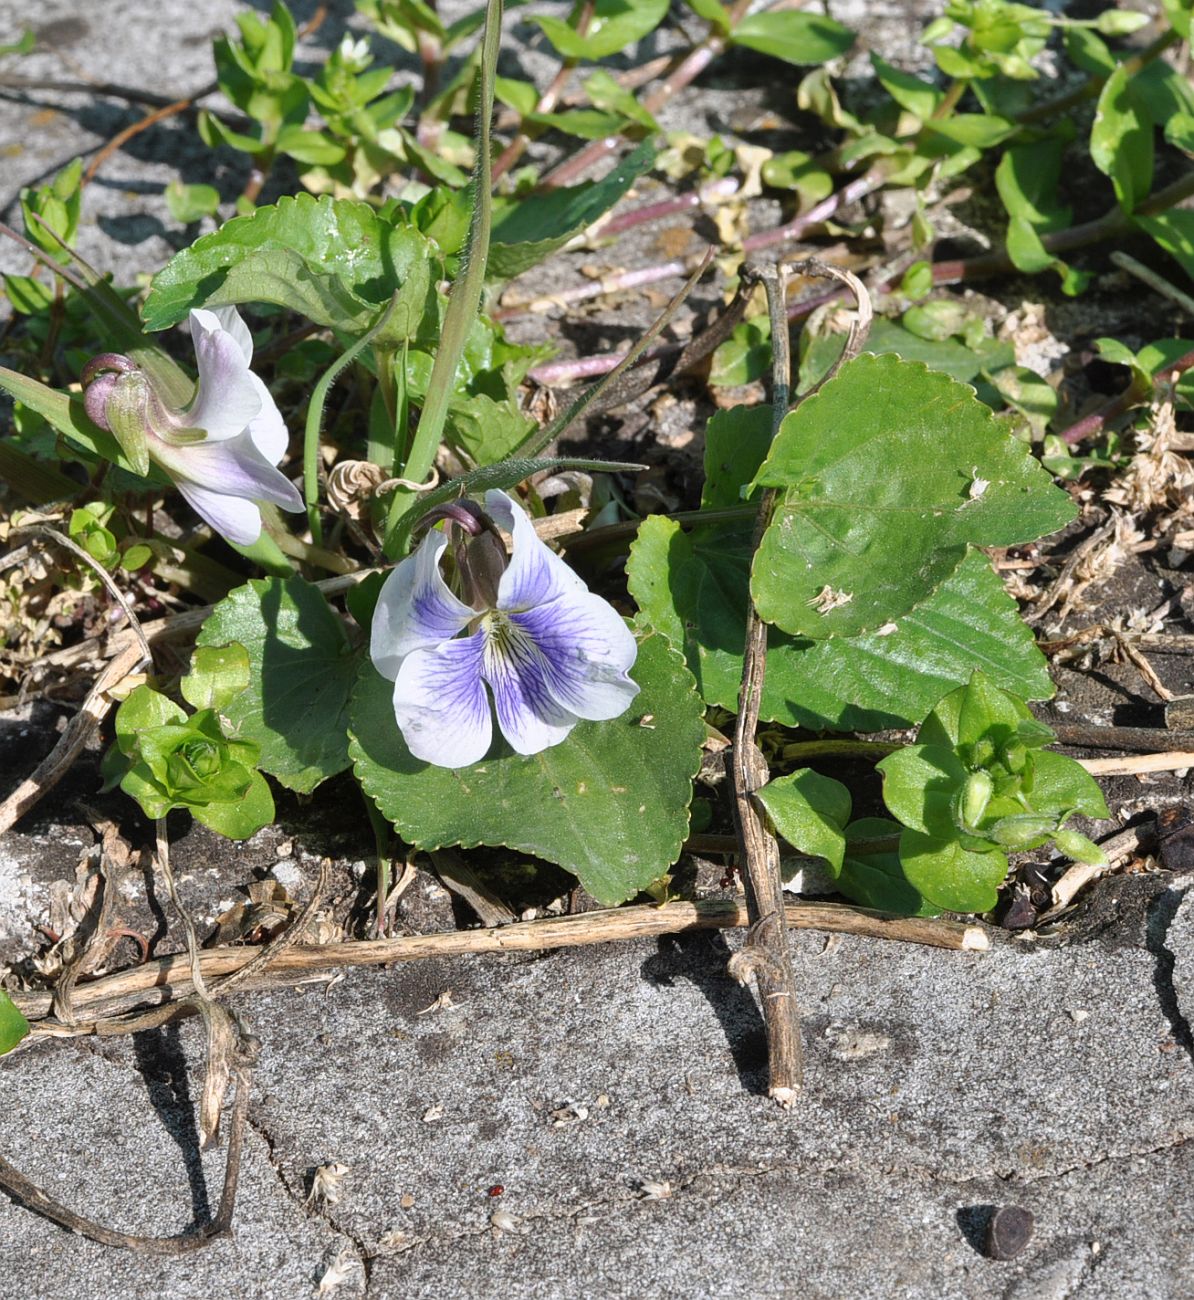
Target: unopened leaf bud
{"x":976,"y":795}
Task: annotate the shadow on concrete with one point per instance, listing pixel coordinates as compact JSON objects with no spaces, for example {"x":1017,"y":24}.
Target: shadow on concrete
{"x":700,"y":959}
{"x":1160,"y":917}
{"x":974,"y":1220}
{"x":163,"y":1065}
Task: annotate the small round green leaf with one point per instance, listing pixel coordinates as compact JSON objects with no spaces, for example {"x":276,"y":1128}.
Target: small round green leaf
{"x":950,"y":876}
{"x":13,"y":1025}
{"x":218,"y":675}
{"x":810,"y":811}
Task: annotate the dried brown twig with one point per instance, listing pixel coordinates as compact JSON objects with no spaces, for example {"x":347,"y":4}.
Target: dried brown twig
{"x":764,"y":956}
{"x":168,"y":978}
{"x":131,"y":658}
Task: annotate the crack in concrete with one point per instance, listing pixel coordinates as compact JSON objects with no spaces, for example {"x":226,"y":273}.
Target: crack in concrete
{"x":1161,"y":914}
{"x":310,"y":1208}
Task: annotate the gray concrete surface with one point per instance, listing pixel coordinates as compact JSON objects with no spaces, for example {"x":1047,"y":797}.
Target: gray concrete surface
{"x":939,"y":1085}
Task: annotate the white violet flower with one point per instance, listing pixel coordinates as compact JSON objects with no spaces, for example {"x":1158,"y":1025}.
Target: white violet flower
{"x":221,"y":451}
{"x":548,"y":651}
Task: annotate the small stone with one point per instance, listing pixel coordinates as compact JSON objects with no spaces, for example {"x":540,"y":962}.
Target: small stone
{"x":1078,"y":1015}
{"x":1008,"y":1232}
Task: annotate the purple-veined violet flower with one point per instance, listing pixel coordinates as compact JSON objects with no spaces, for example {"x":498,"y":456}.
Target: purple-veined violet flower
{"x":223,"y":450}
{"x":548,"y":651}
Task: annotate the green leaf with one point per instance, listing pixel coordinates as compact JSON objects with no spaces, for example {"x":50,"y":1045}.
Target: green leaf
{"x":978,"y":130}
{"x":615,"y":26}
{"x":1173,"y":230}
{"x":1026,"y":179}
{"x":736,"y":443}
{"x":921,"y":784}
{"x":794,"y":36}
{"x":948,"y":875}
{"x":1024,"y":247}
{"x":188,"y":203}
{"x":1158,"y":358}
{"x":242,"y":818}
{"x":810,"y":811}
{"x":886,"y":337}
{"x":1061,"y":785}
{"x":142,"y":711}
{"x":311,"y":147}
{"x":920,"y":98}
{"x":1088,"y":51}
{"x":888,"y":460}
{"x":27,"y":295}
{"x":712,"y":11}
{"x":1121,"y":140}
{"x":979,"y":710}
{"x":301,"y":670}
{"x":526,"y":230}
{"x":1178,"y":13}
{"x":692,"y":587}
{"x":335,"y":261}
{"x":610,"y":95}
{"x":218,"y":675}
{"x":13,"y":1025}
{"x":936,"y":320}
{"x":610,"y":803}
{"x":26,"y":44}
{"x":876,"y":879}
{"x":584,"y":123}
{"x":798,"y":171}
{"x":744,"y":357}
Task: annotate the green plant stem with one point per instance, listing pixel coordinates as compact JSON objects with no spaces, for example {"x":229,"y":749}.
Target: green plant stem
{"x":1089,"y":89}
{"x":381,"y":839}
{"x":319,"y":397}
{"x":466,"y":292}
{"x":1110,"y":225}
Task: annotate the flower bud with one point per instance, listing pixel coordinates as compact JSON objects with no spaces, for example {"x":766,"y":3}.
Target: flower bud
{"x":1022,"y":832}
{"x":118,"y":397}
{"x":976,"y":795}
{"x":1014,"y":755}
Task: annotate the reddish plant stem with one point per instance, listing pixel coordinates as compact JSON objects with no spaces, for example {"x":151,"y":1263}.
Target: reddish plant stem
{"x":715,"y":191}
{"x":1090,"y":88}
{"x":635,"y":279}
{"x":547,"y":101}
{"x":799,"y":226}
{"x":561,"y":373}
{"x":1108,"y":226}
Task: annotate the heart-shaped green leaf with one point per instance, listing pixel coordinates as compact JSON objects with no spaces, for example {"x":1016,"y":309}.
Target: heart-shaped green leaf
{"x":888,"y":461}
{"x":692,"y":586}
{"x":610,"y":803}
